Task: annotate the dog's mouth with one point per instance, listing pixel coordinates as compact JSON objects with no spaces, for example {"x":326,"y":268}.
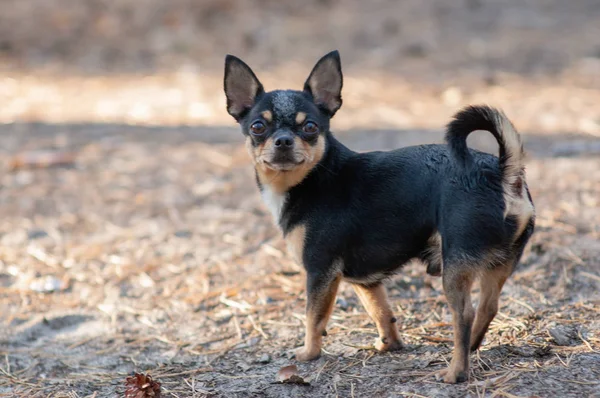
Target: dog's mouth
{"x":283,"y":166}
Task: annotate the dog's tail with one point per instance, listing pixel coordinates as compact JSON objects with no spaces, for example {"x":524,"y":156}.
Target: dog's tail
{"x":511,"y":153}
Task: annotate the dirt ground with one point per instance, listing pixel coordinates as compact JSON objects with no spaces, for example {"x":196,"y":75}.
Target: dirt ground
{"x":149,"y":250}
{"x":168,"y":263}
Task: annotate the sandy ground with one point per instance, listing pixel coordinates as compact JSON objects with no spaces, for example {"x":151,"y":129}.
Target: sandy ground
{"x":164,"y":260}
{"x":149,"y":249}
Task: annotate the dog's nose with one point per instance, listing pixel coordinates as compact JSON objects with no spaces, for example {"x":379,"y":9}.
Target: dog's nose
{"x":284,"y":141}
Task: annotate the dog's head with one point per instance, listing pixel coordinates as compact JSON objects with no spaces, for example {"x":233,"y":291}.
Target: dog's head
{"x":285,"y":129}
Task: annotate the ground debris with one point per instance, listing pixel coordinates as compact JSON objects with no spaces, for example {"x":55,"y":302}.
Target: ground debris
{"x":564,"y":335}
{"x":264,"y":358}
{"x":48,"y":284}
{"x":199,"y":290}
{"x":289,"y":375}
{"x":42,"y":159}
{"x":141,"y":386}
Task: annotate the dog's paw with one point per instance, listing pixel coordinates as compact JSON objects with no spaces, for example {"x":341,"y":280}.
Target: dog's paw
{"x":451,"y":376}
{"x":304,"y":354}
{"x":387,"y":344}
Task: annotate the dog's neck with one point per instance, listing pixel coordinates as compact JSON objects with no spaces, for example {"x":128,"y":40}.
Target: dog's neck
{"x":321,"y":174}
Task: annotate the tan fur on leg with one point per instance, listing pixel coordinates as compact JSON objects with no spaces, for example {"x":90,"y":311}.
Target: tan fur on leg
{"x":375,"y":301}
{"x":457,"y":286}
{"x":491,"y":282}
{"x":319,"y":308}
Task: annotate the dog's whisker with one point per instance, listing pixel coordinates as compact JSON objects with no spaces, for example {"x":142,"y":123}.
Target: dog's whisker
{"x":326,"y":169}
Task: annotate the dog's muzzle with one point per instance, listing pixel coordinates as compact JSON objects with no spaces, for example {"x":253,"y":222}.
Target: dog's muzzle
{"x":283,"y":158}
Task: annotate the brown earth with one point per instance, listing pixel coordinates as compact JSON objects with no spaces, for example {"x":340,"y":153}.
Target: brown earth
{"x":149,"y":250}
{"x":168,"y":263}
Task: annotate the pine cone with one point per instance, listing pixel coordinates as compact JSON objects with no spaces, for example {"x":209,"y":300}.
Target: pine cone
{"x":141,"y":386}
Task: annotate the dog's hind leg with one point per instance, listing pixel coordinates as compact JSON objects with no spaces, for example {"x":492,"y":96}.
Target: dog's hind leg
{"x":374,"y":299}
{"x":491,"y":282}
{"x":457,"y":279}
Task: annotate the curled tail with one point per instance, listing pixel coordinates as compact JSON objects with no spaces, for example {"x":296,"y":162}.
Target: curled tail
{"x":511,"y":154}
{"x":518,"y":203}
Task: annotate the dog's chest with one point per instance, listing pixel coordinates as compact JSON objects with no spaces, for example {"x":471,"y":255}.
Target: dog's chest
{"x":274,"y":201}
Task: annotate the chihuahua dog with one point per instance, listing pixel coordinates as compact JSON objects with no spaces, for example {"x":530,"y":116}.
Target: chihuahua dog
{"x":359,"y":217}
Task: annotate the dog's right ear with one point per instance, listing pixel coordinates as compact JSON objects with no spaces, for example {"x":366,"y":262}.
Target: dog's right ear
{"x":242,"y":87}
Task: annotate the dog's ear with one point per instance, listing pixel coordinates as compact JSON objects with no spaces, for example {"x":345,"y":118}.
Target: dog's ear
{"x":325,"y":82}
{"x":242,"y":87}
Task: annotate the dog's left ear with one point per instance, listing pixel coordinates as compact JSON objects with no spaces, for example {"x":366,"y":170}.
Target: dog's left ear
{"x":325,"y":82}
{"x":242,"y":87}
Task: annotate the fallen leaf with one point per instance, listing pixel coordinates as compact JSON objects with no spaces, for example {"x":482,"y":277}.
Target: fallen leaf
{"x":286,"y":372}
{"x":289,"y":375}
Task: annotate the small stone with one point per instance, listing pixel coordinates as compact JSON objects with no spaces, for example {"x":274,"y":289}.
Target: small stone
{"x":251,"y":343}
{"x":183,"y":234}
{"x":244,"y":367}
{"x":343,"y":304}
{"x":265,"y":300}
{"x":264,"y":358}
{"x":223,"y":316}
{"x":36,"y":234}
{"x":562,"y":335}
{"x":47,"y":284}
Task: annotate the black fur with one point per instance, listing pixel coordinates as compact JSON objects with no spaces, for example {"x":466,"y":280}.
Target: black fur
{"x":474,"y":118}
{"x":466,"y":121}
{"x":301,"y":101}
{"x":362,"y":216}
{"x":376,"y":211}
{"x":370,"y":213}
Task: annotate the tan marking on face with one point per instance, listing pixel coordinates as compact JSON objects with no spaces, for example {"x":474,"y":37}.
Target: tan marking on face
{"x":268,"y":116}
{"x":254,"y":152}
{"x":300,"y":117}
{"x":282,"y":181}
{"x":295,"y":242}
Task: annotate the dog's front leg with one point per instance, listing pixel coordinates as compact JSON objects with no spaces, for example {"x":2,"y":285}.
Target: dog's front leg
{"x":321,"y":289}
{"x":374,"y":299}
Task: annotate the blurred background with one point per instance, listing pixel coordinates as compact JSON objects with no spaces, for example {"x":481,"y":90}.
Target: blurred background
{"x":407,"y":63}
{"x":133,"y":238}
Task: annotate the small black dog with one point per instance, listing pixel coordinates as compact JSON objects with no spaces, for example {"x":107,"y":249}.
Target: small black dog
{"x":361,"y":216}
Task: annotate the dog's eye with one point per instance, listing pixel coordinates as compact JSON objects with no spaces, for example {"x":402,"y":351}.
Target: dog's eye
{"x":310,"y":128}
{"x":258,"y":128}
